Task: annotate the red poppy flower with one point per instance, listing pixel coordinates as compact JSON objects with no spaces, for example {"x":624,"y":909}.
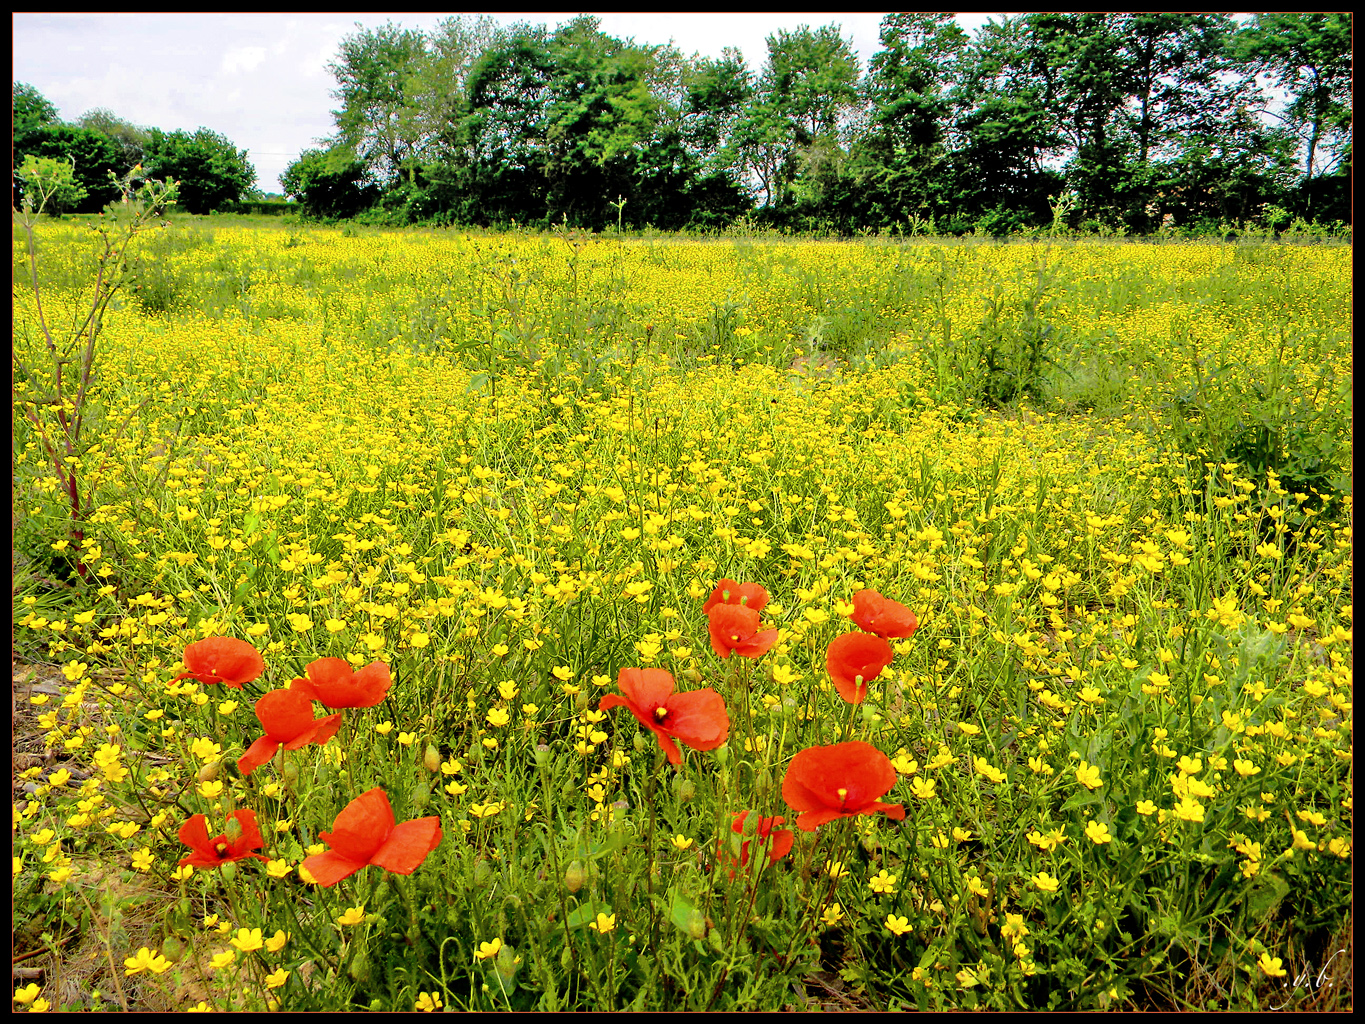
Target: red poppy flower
{"x":854,"y":660}
{"x":287,"y":716}
{"x":882,"y":616}
{"x":777,"y":841}
{"x":222,"y":659}
{"x":839,"y":781}
{"x":212,"y":853}
{"x":365,"y":834}
{"x":734,"y":628}
{"x":750,"y":595}
{"x":697,"y":718}
{"x":332,"y":682}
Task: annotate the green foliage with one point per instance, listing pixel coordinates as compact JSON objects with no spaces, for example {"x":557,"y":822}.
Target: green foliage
{"x":50,"y":185}
{"x":329,"y":184}
{"x":210,"y":170}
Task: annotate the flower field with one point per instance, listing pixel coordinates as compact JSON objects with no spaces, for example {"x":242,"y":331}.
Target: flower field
{"x":511,"y":621}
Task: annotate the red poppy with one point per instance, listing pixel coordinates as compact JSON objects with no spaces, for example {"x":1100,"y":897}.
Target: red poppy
{"x":365,"y":834}
{"x":697,"y":718}
{"x":212,"y":853}
{"x":854,"y":660}
{"x":750,"y":595}
{"x":332,"y":682}
{"x":839,"y":781}
{"x":777,"y":841}
{"x":882,"y":616}
{"x":287,"y":716}
{"x":222,"y":659}
{"x":734,"y":628}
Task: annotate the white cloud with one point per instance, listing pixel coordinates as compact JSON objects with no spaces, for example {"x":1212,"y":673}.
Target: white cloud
{"x":243,"y":58}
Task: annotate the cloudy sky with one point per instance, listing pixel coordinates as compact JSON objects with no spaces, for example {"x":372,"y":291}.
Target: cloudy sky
{"x":262,"y":79}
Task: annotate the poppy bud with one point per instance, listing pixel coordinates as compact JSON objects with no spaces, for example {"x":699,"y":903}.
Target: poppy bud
{"x":432,"y":758}
{"x":575,"y":876}
{"x":421,"y":795}
{"x":687,"y":791}
{"x":233,"y":832}
{"x":210,"y":772}
{"x":723,"y":754}
{"x":173,"y":949}
{"x":483,"y":873}
{"x":291,"y":773}
{"x":691,"y":674}
{"x":566,"y":957}
{"x":639,"y":742}
{"x":582,"y":701}
{"x":696,"y":924}
{"x":359,"y":969}
{"x":507,"y":963}
{"x":229,"y":871}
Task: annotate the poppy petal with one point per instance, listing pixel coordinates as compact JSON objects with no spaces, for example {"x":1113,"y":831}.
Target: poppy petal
{"x":362,"y":826}
{"x":408,"y":845}
{"x":698,"y":719}
{"x":285,"y":714}
{"x":320,"y":732}
{"x":257,"y":754}
{"x":646,"y":688}
{"x":331,"y":867}
{"x":882,"y":616}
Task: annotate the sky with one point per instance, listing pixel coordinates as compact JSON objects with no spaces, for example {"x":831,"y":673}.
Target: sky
{"x":262,"y":81}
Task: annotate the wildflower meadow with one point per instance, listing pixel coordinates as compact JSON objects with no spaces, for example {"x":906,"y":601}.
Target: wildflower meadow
{"x":452,"y":620}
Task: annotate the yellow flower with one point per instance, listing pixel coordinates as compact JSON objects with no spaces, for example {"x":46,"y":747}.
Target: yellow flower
{"x":146,"y":960}
{"x":354,"y":915}
{"x":977,"y":886}
{"x":428,"y":1001}
{"x":276,"y":942}
{"x":923,"y":788}
{"x":603,"y":924}
{"x":897,"y":925}
{"x":223,"y":959}
{"x":1088,"y":775}
{"x":1189,"y":809}
{"x":407,"y":739}
{"x":1272,"y":965}
{"x":488,"y":949}
{"x":1190,"y":765}
{"x":276,"y":979}
{"x":681,"y":842}
{"x":143,"y":860}
{"x":27,"y":994}
{"x":883,"y":884}
{"x":1245,"y":768}
{"x":1045,"y":882}
{"x":248,"y":940}
{"x":278,"y":868}
{"x":1146,"y":808}
{"x":832,"y":915}
{"x":987,"y":770}
{"x":1014,"y":927}
{"x":1098,"y":832}
{"x":498,"y":717}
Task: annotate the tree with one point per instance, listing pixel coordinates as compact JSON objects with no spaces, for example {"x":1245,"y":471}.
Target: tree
{"x":129,"y":138}
{"x":31,"y":109}
{"x":210,"y":170}
{"x":1309,"y":56}
{"x":329,"y":184}
{"x":378,"y":72}
{"x":902,"y":155}
{"x":92,"y":157}
{"x":50,"y":184}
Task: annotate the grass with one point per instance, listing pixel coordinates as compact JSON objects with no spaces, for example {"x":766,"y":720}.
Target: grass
{"x":1111,"y":481}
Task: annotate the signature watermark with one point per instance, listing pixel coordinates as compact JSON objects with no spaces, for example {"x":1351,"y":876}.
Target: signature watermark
{"x":1306,"y":980}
